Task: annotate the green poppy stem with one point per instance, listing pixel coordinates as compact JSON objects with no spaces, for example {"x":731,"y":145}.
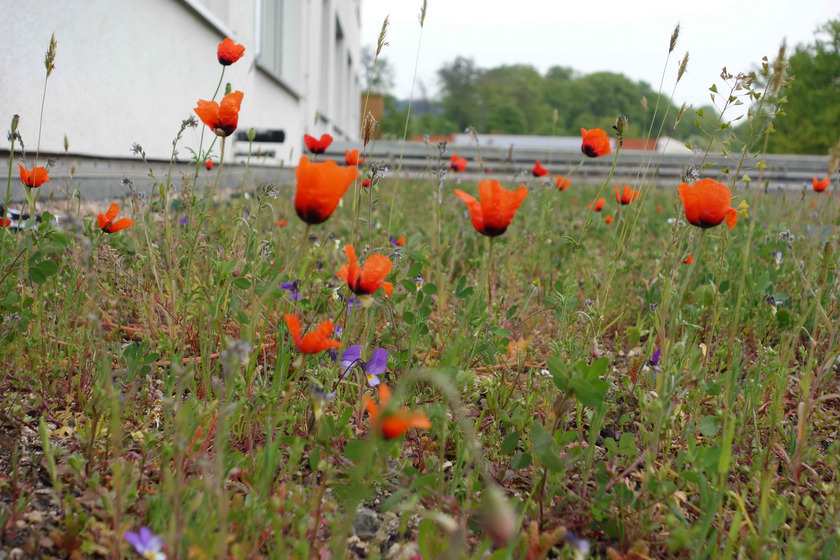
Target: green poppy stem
{"x":490,"y":273}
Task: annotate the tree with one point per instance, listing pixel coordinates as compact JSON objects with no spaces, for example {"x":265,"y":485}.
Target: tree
{"x":812,"y":121}
{"x":519,"y":86}
{"x":458,"y":82}
{"x":378,"y":71}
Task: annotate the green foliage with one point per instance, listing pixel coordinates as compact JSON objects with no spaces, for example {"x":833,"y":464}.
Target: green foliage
{"x":813,"y":114}
{"x":518,"y":100}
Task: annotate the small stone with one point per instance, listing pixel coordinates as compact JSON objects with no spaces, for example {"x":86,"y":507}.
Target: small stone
{"x":366,"y":523}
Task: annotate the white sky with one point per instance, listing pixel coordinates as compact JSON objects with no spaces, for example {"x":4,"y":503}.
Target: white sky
{"x":624,"y":36}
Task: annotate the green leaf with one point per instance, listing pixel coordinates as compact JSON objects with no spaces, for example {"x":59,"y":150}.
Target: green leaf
{"x":242,"y":283}
{"x":559,"y":372}
{"x":408,"y":285}
{"x":627,"y":445}
{"x":520,"y":460}
{"x":393,"y":500}
{"x":429,"y":289}
{"x":510,"y":442}
{"x":314,"y":459}
{"x":36,"y":275}
{"x":709,"y":426}
{"x":544,"y":447}
{"x":589,"y":393}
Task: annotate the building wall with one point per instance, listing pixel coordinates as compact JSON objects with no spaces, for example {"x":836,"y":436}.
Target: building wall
{"x":130,"y":71}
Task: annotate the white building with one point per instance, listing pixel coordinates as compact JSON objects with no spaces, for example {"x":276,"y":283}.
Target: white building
{"x":131,"y":70}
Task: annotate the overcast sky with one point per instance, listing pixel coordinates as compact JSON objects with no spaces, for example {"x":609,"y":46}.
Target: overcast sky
{"x":628,"y":37}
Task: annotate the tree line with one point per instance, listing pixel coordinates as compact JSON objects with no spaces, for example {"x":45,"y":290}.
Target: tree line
{"x":517,"y":99}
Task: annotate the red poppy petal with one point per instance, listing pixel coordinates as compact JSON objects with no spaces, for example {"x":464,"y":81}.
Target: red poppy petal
{"x":320,"y":187}
{"x":375,"y":270}
{"x":120,"y":224}
{"x":208,"y":112}
{"x":293,"y":323}
{"x":475,"y":210}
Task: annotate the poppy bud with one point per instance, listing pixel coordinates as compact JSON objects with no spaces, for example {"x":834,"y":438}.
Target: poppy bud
{"x":15,"y":121}
{"x":620,"y":125}
{"x":66,"y":143}
{"x":228,"y":89}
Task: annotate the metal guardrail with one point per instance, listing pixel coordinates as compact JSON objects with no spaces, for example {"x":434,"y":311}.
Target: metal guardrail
{"x":102,"y":178}
{"x":512,"y":163}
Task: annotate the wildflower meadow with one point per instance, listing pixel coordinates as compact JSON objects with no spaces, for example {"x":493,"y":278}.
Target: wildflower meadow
{"x":368,"y":363}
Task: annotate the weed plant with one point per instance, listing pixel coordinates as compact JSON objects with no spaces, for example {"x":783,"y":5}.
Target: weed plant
{"x":631,"y":387}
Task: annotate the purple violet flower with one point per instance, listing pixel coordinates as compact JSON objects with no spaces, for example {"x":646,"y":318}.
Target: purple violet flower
{"x":184,"y":222}
{"x":146,"y":544}
{"x":654,"y":361}
{"x":293,"y":288}
{"x":373,"y":368}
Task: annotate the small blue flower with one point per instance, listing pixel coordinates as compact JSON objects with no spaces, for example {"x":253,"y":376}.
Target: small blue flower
{"x":184,"y":222}
{"x":146,"y":544}
{"x":580,"y":547}
{"x":293,"y":288}
{"x":373,"y":368}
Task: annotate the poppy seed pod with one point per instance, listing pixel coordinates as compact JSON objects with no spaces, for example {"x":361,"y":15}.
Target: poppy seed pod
{"x":621,"y":125}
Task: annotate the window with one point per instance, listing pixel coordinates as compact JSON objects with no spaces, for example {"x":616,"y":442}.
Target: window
{"x":280,"y":41}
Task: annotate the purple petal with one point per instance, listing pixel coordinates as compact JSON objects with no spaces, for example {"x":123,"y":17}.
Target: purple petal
{"x":378,"y":362}
{"x":656,"y":355}
{"x":134,"y":540}
{"x":287,"y":285}
{"x":350,"y":357}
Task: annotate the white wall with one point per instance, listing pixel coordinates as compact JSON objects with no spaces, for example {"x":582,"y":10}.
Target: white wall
{"x":130,"y":71}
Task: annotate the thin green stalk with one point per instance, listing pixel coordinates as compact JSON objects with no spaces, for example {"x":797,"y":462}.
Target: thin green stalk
{"x":407,"y":118}
{"x":490,"y":275}
{"x":579,"y":243}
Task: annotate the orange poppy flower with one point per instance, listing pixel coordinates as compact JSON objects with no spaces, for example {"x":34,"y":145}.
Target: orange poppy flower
{"x":707,"y":204}
{"x":574,"y":201}
{"x":658,"y":208}
{"x":35,"y":178}
{"x":312,"y":342}
{"x":627,"y":196}
{"x":352,"y":158}
{"x":562,"y":183}
{"x":317,"y":146}
{"x":498,"y":205}
{"x":319,"y":188}
{"x":595,"y":142}
{"x":5,"y":222}
{"x":457,"y":164}
{"x":394,"y":424}
{"x":222,"y":118}
{"x":208,"y":164}
{"x":608,"y":219}
{"x":365,"y":183}
{"x":822,"y":184}
{"x":280,"y":223}
{"x":365,"y":280}
{"x":599,"y":204}
{"x":689,"y":259}
{"x":229,"y":52}
{"x":106,"y":221}
{"x":538,"y":170}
